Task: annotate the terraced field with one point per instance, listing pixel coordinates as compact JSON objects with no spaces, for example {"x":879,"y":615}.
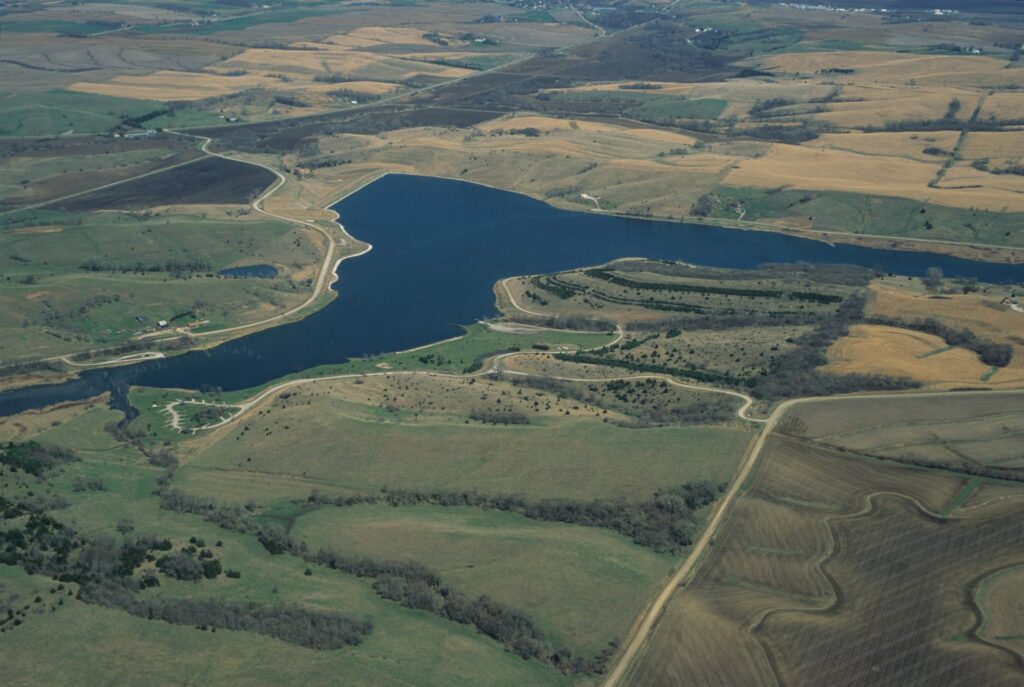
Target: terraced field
{"x":835,"y":568}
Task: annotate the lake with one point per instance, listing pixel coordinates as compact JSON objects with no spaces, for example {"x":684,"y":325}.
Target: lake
{"x":438,"y":248}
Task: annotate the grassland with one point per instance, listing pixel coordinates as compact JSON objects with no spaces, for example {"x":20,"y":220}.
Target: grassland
{"x":39,"y":172}
{"x":57,"y":112}
{"x":581,"y":581}
{"x":888,"y":350}
{"x":77,"y":281}
{"x":416,"y":432}
{"x":925,"y":434}
{"x":409,"y":645}
{"x":816,"y":571}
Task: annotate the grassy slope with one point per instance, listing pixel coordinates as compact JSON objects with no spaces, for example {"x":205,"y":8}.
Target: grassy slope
{"x":100,"y":646}
{"x":568,"y":458}
{"x":861,"y":214}
{"x":583,"y":585}
{"x":51,"y":305}
{"x":54,"y":112}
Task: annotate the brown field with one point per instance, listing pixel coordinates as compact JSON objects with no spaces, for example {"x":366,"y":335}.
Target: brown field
{"x":897,"y":68}
{"x":834,"y":570}
{"x":1004,"y":105}
{"x":931,"y":430}
{"x":996,"y":145}
{"x":627,"y":168}
{"x":804,"y":167}
{"x":877,"y":349}
{"x":1003,"y":605}
{"x":321,"y":58}
{"x":966,"y":177}
{"x":72,"y":165}
{"x":55,"y":62}
{"x":391,"y":35}
{"x":173,"y":85}
{"x":983,"y":313}
{"x":874,"y":105}
{"x":885,"y":144}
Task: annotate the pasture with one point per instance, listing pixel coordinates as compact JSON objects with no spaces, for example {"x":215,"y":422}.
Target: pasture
{"x":57,"y":112}
{"x":327,"y":448}
{"x":583,"y":585}
{"x":405,"y":644}
{"x":83,"y":280}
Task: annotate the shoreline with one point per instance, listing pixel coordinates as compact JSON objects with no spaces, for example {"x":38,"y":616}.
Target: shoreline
{"x":329,"y":270}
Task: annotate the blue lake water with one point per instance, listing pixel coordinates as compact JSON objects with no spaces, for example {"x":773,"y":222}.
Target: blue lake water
{"x":439,"y":246}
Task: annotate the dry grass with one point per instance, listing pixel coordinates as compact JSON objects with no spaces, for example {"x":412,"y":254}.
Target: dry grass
{"x":391,"y":35}
{"x":627,"y":168}
{"x":874,"y":105}
{"x":943,"y":431}
{"x":827,"y":568}
{"x":995,"y":145}
{"x":887,"y":350}
{"x":326,"y":58}
{"x":172,"y":85}
{"x":769,"y":558}
{"x":1005,"y":105}
{"x":874,"y":349}
{"x":806,"y":167}
{"x":885,"y":144}
{"x":982,"y":313}
{"x":877,"y":67}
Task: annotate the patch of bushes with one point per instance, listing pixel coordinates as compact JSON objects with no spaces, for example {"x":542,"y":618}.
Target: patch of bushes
{"x":34,"y":458}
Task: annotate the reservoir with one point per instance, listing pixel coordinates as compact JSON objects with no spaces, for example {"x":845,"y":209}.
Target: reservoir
{"x":438,"y":248}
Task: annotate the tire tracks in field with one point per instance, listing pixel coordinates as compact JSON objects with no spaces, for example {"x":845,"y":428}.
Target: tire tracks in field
{"x":643,"y":626}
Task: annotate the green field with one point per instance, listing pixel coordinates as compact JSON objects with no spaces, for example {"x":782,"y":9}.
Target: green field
{"x":574,"y":458}
{"x":72,"y":28}
{"x":583,"y":585}
{"x":647,"y":106}
{"x":56,"y":112}
{"x":75,"y":281}
{"x":184,"y":118}
{"x":863,"y":214}
{"x":461,"y":354}
{"x":406,"y":645}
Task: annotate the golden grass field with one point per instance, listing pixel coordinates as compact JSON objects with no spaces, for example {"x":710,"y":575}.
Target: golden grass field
{"x":889,"y":144}
{"x":879,"y":67}
{"x":877,"y":349}
{"x":804,"y":167}
{"x":293,"y":69}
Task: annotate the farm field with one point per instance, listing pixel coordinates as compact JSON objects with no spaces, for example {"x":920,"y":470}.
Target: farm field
{"x":41,"y":172}
{"x":211,"y":180}
{"x":822,"y":543}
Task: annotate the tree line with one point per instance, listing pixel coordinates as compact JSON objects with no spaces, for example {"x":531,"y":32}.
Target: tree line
{"x":664,"y":522}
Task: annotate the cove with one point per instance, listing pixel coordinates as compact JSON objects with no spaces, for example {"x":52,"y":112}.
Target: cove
{"x":438,"y":248}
